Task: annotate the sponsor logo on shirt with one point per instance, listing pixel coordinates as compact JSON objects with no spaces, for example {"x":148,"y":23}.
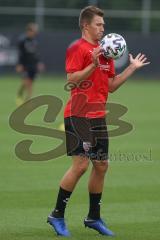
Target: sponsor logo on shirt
{"x":104,"y":67}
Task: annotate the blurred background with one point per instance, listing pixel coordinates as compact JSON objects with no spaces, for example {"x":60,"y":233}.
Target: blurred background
{"x":28,"y":189}
{"x":137,"y":20}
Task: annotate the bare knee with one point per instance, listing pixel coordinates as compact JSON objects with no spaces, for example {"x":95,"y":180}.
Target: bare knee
{"x":82,"y":168}
{"x":100,"y":166}
{"x":28,"y":82}
{"x":80,"y":165}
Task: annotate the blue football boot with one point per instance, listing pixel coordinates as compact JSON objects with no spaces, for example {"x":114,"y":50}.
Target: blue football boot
{"x":59,"y":226}
{"x":99,"y":226}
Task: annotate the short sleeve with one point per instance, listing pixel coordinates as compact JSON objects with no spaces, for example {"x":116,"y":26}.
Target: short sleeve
{"x":111,"y":72}
{"x":74,"y":59}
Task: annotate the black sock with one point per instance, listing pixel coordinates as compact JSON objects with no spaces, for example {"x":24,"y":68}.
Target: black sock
{"x":62,"y":199}
{"x":94,"y":209}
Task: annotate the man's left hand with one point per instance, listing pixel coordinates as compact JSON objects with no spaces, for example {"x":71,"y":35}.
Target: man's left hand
{"x":139,"y":61}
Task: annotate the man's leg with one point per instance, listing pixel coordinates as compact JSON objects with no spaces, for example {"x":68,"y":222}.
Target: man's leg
{"x":99,"y":156}
{"x":67,"y":185}
{"x":95,"y":187}
{"x":21,"y":90}
{"x":25,"y":91}
{"x":20,"y":94}
{"x":28,"y":82}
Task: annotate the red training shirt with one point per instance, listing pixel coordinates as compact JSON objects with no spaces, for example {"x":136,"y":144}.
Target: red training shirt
{"x":89,"y":97}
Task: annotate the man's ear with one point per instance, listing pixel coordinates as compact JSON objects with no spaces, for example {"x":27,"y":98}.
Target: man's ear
{"x":85,"y":26}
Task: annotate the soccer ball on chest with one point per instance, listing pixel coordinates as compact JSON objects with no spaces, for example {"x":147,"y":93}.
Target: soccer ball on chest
{"x":113,"y":45}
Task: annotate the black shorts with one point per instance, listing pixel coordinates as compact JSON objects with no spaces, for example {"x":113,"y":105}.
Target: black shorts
{"x":30,"y":73}
{"x":87,"y":137}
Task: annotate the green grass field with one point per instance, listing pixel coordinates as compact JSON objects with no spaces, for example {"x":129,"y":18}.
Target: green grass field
{"x":131,"y":199}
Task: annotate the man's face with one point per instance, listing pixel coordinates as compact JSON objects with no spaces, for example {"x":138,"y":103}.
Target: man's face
{"x":32,"y":32}
{"x":96,"y":28}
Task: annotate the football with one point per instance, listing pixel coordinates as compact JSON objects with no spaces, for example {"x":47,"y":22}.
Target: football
{"x":113,"y":45}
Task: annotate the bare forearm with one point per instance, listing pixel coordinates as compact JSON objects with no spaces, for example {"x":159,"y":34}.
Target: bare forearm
{"x":135,"y":63}
{"x":79,"y":76}
{"x":121,"y":78}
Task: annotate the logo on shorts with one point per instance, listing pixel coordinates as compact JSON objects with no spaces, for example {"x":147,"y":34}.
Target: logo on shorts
{"x":86,"y":146}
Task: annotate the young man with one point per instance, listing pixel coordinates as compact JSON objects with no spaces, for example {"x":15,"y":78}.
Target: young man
{"x":28,"y":62}
{"x":92,"y":76}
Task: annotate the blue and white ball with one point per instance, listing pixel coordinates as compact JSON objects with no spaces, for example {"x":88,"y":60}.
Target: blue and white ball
{"x":113,"y":45}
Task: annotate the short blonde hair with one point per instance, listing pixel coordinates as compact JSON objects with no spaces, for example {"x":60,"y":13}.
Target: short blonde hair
{"x":32,"y":27}
{"x":87,"y":14}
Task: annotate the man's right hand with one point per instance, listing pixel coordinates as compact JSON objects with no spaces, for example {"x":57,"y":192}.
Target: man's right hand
{"x":19,"y":68}
{"x":95,"y":55}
